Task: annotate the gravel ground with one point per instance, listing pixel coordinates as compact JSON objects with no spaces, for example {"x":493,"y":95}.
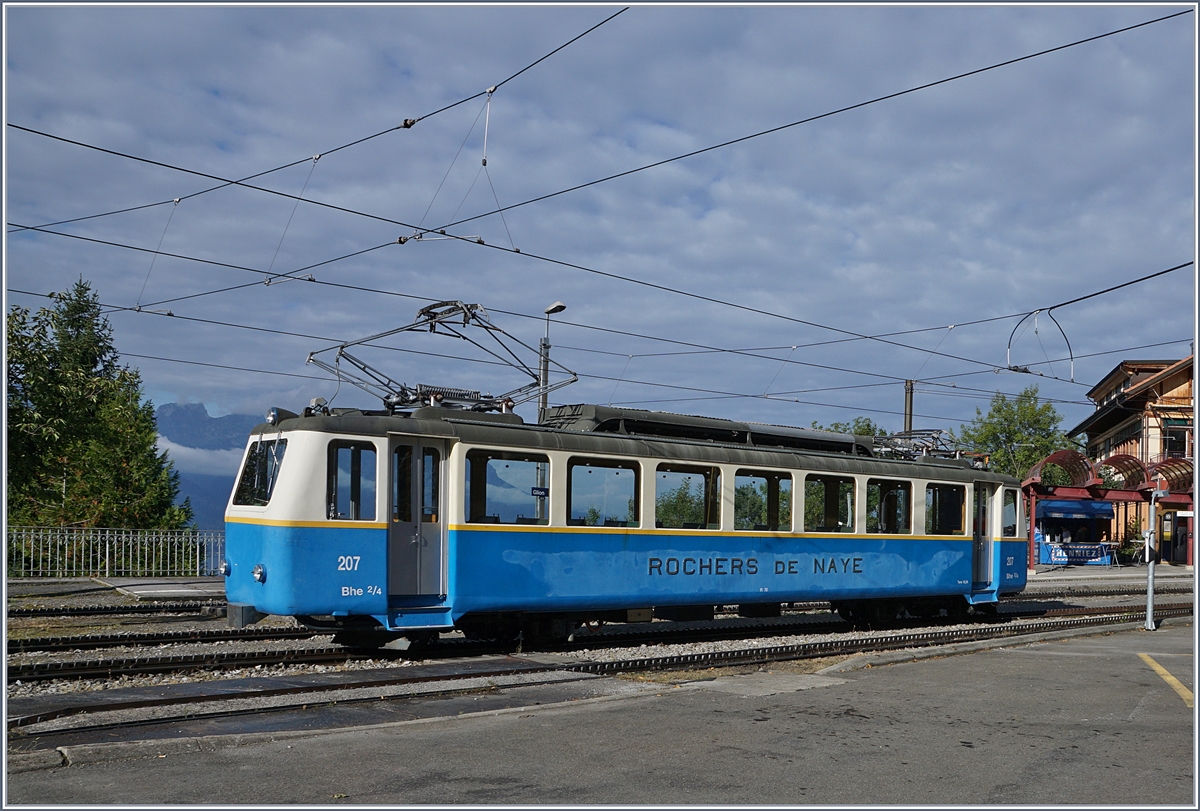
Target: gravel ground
{"x":19,"y":690}
{"x":83,"y":592}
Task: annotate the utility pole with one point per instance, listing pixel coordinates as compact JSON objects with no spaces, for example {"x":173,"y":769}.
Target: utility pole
{"x":908,"y":408}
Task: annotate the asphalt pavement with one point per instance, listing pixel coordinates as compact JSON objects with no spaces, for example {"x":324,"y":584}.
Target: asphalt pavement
{"x":1102,"y":719}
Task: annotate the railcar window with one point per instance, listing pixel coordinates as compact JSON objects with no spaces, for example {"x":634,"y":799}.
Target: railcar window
{"x":687,"y":497}
{"x":762,"y":500}
{"x":1008,"y":517}
{"x":351,"y":481}
{"x":402,"y":484}
{"x":945,"y":506}
{"x":257,"y":481}
{"x":828,"y":504}
{"x":889,"y":506}
{"x":602,"y":492}
{"x":430,"y":466}
{"x":507,"y":488}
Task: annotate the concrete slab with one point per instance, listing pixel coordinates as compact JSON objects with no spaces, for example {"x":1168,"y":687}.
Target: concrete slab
{"x":753,"y":685}
{"x":1055,"y":722}
{"x":167,"y":588}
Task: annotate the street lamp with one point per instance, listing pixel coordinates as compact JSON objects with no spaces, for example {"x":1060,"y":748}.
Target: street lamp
{"x":544,"y":353}
{"x":1151,"y":554}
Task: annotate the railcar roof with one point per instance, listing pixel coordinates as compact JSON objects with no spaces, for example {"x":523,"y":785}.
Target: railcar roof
{"x":511,"y":430}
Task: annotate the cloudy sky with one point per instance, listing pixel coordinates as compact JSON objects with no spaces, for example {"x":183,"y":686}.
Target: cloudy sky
{"x":985,"y":197}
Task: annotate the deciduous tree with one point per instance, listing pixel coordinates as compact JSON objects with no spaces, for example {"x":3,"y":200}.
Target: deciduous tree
{"x":1016,"y":433}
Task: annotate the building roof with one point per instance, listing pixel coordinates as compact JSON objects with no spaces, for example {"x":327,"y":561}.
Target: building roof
{"x":1143,"y":376}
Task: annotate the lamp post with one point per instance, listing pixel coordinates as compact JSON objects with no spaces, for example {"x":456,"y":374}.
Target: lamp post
{"x":544,"y":354}
{"x":1151,"y":554}
{"x":543,"y":383}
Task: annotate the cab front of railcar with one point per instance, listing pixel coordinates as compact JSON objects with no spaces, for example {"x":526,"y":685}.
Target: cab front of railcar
{"x":305,"y":533}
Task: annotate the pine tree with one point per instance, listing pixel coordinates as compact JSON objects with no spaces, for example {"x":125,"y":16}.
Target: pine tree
{"x":81,"y":443}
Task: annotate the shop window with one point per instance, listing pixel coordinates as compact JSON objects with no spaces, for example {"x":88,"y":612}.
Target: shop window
{"x":602,"y":493}
{"x":507,"y":488}
{"x":945,"y":506}
{"x":762,"y":501}
{"x":889,"y":506}
{"x":351,"y":481}
{"x":828,"y":504}
{"x":687,"y":497}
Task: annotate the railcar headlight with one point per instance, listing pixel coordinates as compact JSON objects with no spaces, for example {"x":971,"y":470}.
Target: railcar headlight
{"x":260,"y":574}
{"x":224,"y":569}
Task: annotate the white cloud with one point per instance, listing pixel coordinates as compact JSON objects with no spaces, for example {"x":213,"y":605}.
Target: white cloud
{"x":991,"y":195}
{"x":199,"y":460}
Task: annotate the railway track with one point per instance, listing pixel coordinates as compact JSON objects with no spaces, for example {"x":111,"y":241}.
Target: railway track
{"x":94,"y":641}
{"x":215,"y":607}
{"x":110,"y":668}
{"x":460,"y":676}
{"x":206,"y":607}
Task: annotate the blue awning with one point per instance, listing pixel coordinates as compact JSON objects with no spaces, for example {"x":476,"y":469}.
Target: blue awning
{"x":1071,"y":508}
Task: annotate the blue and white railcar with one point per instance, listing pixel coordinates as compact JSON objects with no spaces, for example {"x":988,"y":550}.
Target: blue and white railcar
{"x":416,"y":523}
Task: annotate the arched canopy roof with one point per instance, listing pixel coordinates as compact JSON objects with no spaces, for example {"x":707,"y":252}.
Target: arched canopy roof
{"x":1177,"y":472}
{"x":1073,"y":462}
{"x":1131,"y":470}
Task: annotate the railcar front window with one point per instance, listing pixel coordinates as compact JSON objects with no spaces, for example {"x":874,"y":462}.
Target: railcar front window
{"x":602,"y":493}
{"x":351,"y":481}
{"x":828,"y":504}
{"x":945,"y":509}
{"x":1008,"y":518}
{"x":762,"y":501}
{"x":889,"y":506}
{"x":687,"y":497}
{"x":507,"y":488}
{"x":257,"y":481}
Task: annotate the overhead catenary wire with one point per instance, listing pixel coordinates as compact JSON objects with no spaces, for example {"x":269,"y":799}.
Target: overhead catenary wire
{"x":386,"y":244}
{"x":291,"y":216}
{"x":717,"y":394}
{"x":406,"y":124}
{"x":154,"y":257}
{"x":709,"y":298}
{"x":990,"y":367}
{"x":655,"y":384}
{"x":830,"y":113}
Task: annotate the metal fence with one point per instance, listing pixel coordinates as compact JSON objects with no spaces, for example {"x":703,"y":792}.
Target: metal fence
{"x":83,"y":552}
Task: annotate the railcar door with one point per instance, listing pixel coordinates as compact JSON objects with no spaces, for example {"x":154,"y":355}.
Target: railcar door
{"x":415,"y":548}
{"x":982,"y":569}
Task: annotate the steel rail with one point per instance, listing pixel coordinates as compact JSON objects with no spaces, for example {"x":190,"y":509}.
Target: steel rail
{"x":97,"y":610}
{"x":197,"y":607}
{"x":92,"y":641}
{"x":810,"y":650}
{"x":108,"y":668}
{"x":743,"y":656}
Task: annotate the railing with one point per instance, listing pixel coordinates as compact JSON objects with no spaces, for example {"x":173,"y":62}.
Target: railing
{"x":84,"y":552}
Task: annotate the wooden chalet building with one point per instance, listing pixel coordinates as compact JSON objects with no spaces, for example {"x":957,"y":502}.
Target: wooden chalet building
{"x":1145,"y":409}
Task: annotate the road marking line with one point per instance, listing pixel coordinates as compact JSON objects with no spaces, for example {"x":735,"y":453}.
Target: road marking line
{"x":1184,"y":693}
